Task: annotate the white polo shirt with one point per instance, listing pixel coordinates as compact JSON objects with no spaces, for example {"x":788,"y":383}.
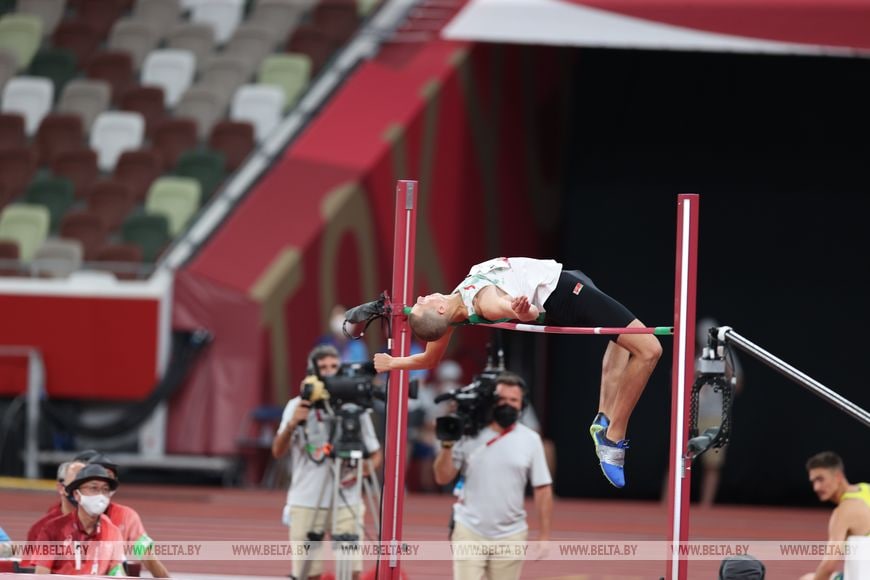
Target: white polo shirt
{"x":307,"y":476}
{"x":496,"y":471}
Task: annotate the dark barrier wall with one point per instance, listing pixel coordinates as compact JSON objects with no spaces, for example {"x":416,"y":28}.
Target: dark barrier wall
{"x":779,"y":149}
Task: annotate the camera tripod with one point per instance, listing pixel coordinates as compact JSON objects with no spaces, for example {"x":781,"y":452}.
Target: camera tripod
{"x":348,"y":454}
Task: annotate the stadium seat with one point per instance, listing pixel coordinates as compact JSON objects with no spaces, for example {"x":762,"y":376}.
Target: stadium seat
{"x":337,"y":20}
{"x":26,"y":224}
{"x":57,"y":64}
{"x":12,"y":131}
{"x":196,"y":38}
{"x":86,"y":98}
{"x":79,"y":166}
{"x":101,"y":15}
{"x":148,"y":231}
{"x":116,"y":68}
{"x":135,"y":37}
{"x":177,"y":198}
{"x":250,"y":43}
{"x":206,"y":167}
{"x":162,"y":15}
{"x":124,"y":260}
{"x":261,"y":105}
{"x":21,"y":34}
{"x":58,"y":133}
{"x":57,"y":258}
{"x":10,"y":265}
{"x":309,"y":40}
{"x":148,"y":102}
{"x":55,"y":193}
{"x":31,"y":97}
{"x":172,"y":138}
{"x":170,"y":69}
{"x":225,"y":74}
{"x":279,"y":16}
{"x":49,"y":12}
{"x":78,"y":37}
{"x":87,"y":227}
{"x":234,"y":140}
{"x":204,"y":105}
{"x":290,"y":72}
{"x":222,"y":15}
{"x":8,"y":66}
{"x":17,"y":166}
{"x":138,"y":170}
{"x":113,"y":133}
{"x":111,"y":200}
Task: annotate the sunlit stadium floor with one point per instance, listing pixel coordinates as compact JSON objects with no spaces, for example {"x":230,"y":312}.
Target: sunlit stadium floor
{"x":173,"y":513}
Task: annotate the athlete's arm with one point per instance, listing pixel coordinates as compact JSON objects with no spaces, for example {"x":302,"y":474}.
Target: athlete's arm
{"x":494,"y":306}
{"x":428,"y":359}
{"x":838,"y":528}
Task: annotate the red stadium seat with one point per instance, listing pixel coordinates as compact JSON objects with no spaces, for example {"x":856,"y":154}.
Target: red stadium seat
{"x":148,"y":102}
{"x":59,"y":133}
{"x":116,"y":68}
{"x":79,"y":37}
{"x":12,"y":131}
{"x":234,"y":139}
{"x":86,"y":227}
{"x":79,"y":166}
{"x":137,"y":170}
{"x":112,"y":201}
{"x":173,"y":137}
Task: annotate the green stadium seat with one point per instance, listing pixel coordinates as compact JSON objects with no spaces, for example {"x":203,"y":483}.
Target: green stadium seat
{"x":58,"y":64}
{"x":26,"y":224}
{"x":21,"y":33}
{"x":177,"y":198}
{"x":148,"y":231}
{"x":290,"y":72}
{"x":207,"y":167}
{"x":55,"y":193}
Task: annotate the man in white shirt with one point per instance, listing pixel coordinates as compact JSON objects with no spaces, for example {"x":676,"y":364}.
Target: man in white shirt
{"x":523,"y":289}
{"x":305,"y":432}
{"x":496,"y":465}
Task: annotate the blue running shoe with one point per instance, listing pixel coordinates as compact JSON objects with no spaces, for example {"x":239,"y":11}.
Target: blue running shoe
{"x":611,"y":455}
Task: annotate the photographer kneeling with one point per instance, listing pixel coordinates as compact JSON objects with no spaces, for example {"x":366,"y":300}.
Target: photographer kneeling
{"x":496,"y":465}
{"x":306,"y":430}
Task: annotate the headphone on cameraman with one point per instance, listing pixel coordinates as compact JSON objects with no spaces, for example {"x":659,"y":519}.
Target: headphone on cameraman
{"x":520,"y":382}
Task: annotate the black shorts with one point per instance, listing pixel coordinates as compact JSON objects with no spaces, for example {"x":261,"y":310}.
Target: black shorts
{"x":577,"y":301}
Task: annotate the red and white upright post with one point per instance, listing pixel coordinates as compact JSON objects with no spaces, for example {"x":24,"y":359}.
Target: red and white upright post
{"x":685,"y":287}
{"x":404,"y":245}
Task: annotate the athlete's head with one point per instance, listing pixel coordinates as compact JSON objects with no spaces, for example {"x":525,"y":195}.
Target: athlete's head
{"x":827,"y":475}
{"x":429,"y":318}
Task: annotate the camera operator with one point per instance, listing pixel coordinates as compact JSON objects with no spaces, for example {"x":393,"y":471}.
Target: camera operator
{"x":305,"y":431}
{"x":496,"y":464}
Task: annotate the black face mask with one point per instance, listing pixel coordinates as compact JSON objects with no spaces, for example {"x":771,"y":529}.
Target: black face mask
{"x":505,"y":415}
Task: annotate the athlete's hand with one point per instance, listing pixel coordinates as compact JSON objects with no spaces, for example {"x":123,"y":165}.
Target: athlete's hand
{"x":383,"y":362}
{"x":524,"y":309}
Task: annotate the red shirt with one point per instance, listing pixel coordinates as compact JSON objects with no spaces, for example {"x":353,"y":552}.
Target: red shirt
{"x":96,"y":557}
{"x":129,"y":523}
{"x":52,"y":513}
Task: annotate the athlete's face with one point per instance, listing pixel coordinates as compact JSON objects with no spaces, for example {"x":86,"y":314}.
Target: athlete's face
{"x":435,"y":301}
{"x":826,"y":482}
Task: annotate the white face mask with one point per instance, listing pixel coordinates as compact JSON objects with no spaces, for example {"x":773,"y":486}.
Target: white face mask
{"x":94,"y":504}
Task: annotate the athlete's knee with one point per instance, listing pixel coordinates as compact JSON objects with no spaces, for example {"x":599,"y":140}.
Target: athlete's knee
{"x":650,"y":349}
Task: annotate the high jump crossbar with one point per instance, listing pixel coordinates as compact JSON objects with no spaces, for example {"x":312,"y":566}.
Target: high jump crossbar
{"x":404,"y":244}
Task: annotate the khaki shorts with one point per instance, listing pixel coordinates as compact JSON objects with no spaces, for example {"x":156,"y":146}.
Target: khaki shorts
{"x":496,"y":569}
{"x":306,"y":519}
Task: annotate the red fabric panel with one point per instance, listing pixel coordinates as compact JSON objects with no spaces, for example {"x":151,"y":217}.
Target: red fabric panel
{"x":206,"y":413}
{"x":843,"y":23}
{"x":93,"y":348}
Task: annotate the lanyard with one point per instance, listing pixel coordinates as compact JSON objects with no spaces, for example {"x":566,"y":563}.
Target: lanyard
{"x":500,"y":435}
